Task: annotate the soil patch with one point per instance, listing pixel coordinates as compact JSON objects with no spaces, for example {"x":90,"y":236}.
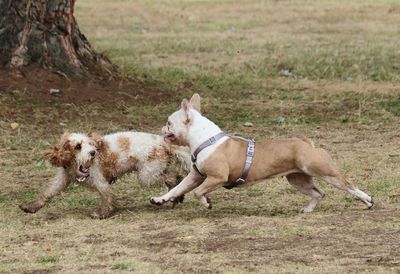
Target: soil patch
{"x":39,"y":85}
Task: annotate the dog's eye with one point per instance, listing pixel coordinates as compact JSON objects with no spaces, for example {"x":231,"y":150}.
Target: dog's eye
{"x":78,"y":147}
{"x":168,"y":123}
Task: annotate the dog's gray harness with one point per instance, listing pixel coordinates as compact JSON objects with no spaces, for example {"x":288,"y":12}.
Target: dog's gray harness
{"x":249,"y":158}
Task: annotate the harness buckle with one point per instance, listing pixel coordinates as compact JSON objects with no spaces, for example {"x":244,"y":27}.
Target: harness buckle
{"x":239,"y":181}
{"x":212,"y":140}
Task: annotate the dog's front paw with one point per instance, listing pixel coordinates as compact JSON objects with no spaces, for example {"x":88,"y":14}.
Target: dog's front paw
{"x":157,"y":201}
{"x":101,"y":213}
{"x":32,"y":207}
{"x":206,"y":202}
{"x":370,"y":204}
{"x":306,"y":210}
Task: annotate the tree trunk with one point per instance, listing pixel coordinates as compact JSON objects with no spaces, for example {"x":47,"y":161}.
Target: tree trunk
{"x":45,"y":32}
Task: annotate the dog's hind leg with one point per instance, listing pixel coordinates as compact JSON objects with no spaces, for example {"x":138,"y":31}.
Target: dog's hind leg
{"x":319,"y":164}
{"x":341,"y":183}
{"x":305,"y":185}
{"x":211,"y":183}
{"x":57,"y":184}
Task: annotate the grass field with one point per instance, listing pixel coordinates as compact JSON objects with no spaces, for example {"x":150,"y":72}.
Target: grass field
{"x":330,"y":69}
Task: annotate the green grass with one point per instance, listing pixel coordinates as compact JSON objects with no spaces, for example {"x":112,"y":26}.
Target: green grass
{"x":329,"y":68}
{"x":391,"y":104}
{"x":121,"y":266}
{"x":47,"y":260}
{"x":328,"y":44}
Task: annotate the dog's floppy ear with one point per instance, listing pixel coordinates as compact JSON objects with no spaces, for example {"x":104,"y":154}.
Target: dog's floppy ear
{"x":195,"y":102}
{"x":96,"y":137}
{"x":60,"y":155}
{"x":64,"y":137}
{"x":53,"y":156}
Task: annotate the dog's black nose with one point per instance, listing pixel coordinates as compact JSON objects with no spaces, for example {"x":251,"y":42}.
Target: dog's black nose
{"x":92,"y":153}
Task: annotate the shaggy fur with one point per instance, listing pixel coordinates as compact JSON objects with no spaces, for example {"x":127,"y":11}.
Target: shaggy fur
{"x":97,"y":162}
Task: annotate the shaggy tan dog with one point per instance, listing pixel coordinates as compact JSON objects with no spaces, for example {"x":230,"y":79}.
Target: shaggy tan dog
{"x":96,"y":162}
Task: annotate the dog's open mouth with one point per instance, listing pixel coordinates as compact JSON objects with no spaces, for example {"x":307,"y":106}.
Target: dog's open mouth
{"x":85,"y":171}
{"x":169,"y":137}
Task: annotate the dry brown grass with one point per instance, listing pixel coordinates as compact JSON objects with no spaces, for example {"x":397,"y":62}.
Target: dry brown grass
{"x":231,"y":52}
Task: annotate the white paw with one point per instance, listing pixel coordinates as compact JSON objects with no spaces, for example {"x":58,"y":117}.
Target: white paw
{"x":369,"y":204}
{"x":306,"y":210}
{"x":157,"y":201}
{"x":206,"y":202}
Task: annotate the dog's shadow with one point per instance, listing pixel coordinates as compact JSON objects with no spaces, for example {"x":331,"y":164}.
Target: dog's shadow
{"x":189,"y":210}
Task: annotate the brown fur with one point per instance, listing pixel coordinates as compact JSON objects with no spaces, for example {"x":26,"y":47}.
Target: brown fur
{"x":272,"y":158}
{"x":134,"y":161}
{"x":158,"y":153}
{"x":62,"y":154}
{"x":124,"y":143}
{"x":108,"y":161}
{"x":96,"y":139}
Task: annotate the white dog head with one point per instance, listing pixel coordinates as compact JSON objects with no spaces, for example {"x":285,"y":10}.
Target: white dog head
{"x":75,"y":152}
{"x":178,"y":124}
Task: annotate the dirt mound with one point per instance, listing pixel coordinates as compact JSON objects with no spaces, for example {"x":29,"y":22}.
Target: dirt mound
{"x":39,"y":85}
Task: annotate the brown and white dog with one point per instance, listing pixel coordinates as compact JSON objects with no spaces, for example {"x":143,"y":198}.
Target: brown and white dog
{"x":96,"y":162}
{"x":222,"y":162}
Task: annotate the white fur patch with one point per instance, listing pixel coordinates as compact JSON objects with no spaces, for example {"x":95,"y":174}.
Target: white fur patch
{"x":133,"y":155}
{"x":200,"y":131}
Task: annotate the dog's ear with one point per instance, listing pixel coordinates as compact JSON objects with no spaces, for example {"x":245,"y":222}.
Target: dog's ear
{"x":65,"y":136}
{"x":60,"y":155}
{"x":195,"y":102}
{"x":185,"y":105}
{"x":52,"y":155}
{"x":96,"y":137}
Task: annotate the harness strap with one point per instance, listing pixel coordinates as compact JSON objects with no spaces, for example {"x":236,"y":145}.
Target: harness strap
{"x":246,"y":169}
{"x":207,"y":143}
{"x":247,"y":164}
{"x":198,"y":171}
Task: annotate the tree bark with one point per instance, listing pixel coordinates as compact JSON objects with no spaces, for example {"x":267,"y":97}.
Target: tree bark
{"x":45,"y":32}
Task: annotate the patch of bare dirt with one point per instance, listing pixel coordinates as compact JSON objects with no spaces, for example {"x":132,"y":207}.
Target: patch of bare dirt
{"x":346,"y":240}
{"x":35,"y":83}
